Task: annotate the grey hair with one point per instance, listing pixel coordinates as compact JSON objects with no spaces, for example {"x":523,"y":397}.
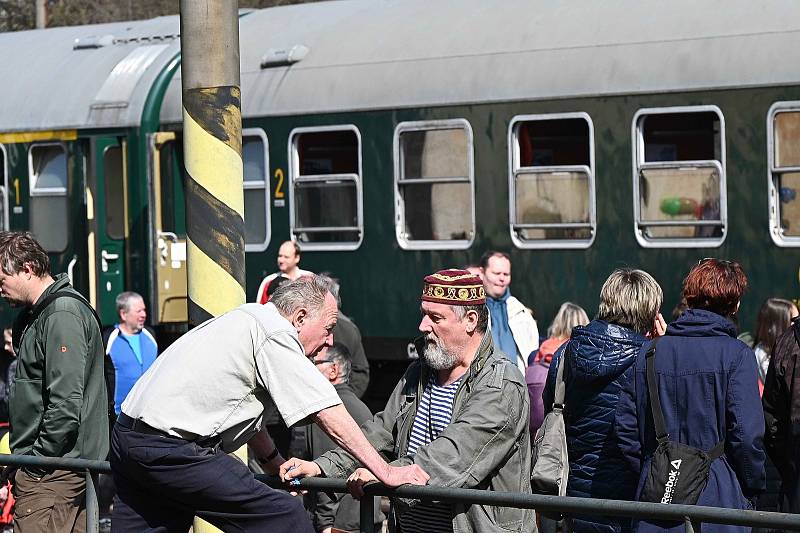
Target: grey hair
{"x":483,"y":314}
{"x":339,"y":354}
{"x":569,"y":315}
{"x":124,"y":300}
{"x":333,"y":287}
{"x":630,"y":298}
{"x":306,"y":291}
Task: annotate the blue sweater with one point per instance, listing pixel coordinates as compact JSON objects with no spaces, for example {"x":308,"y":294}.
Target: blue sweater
{"x":127,"y":367}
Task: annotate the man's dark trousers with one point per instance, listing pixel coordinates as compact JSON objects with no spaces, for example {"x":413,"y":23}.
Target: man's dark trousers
{"x":163,"y":481}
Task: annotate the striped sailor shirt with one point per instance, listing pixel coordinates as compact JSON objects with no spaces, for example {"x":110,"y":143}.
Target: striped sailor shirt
{"x":433,"y":416}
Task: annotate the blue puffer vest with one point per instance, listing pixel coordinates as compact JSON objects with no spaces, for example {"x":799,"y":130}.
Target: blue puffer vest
{"x":599,"y":357}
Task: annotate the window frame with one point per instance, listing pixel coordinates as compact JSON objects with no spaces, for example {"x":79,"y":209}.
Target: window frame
{"x":639,"y":163}
{"x":295,"y":177}
{"x":514,"y":169}
{"x":106,"y":223}
{"x":399,"y":205}
{"x":258,"y":132}
{"x":773,"y":196}
{"x":48,"y":191}
{"x":51,"y":192}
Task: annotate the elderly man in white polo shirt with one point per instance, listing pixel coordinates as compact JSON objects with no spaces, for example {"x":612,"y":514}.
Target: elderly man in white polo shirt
{"x":205,"y":397}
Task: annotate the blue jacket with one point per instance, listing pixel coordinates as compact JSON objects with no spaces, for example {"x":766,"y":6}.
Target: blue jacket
{"x":708,"y":386}
{"x":599,"y":356}
{"x":127,"y":368}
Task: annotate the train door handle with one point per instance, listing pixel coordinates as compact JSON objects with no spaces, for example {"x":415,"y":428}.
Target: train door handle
{"x":71,"y":269}
{"x":165,"y":237}
{"x":105,"y":257}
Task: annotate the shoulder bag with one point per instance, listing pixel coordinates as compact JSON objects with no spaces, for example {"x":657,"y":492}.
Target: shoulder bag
{"x":550,"y":462}
{"x":678,"y":473}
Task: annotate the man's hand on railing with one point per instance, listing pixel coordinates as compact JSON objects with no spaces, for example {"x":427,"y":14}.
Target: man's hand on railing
{"x":405,"y":475}
{"x":357,"y":480}
{"x":292,"y":470}
{"x":297,"y":468}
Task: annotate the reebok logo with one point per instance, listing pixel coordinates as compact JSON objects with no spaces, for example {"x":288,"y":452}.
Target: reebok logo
{"x":672,"y":481}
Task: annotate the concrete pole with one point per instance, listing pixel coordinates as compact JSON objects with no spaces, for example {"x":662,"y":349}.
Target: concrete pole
{"x":212,"y":146}
{"x":41,"y":14}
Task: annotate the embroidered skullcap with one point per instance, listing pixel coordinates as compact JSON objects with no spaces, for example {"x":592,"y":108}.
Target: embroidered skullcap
{"x":453,"y":287}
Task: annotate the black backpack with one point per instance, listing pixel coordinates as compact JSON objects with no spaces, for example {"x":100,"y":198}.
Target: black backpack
{"x":678,"y":472}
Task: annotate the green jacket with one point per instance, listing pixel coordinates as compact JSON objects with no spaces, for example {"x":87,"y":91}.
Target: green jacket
{"x":58,"y":399}
{"x":486,"y":446}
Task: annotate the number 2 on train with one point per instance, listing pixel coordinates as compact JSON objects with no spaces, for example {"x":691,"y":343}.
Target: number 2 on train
{"x":279,"y":185}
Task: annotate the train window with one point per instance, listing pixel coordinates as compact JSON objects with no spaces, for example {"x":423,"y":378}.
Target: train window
{"x":115,"y":195}
{"x":256,"y":192}
{"x":434,"y":185}
{"x":172,"y":194}
{"x":325,"y":188}
{"x":49,"y":205}
{"x":784,"y":170}
{"x":679,"y":177}
{"x":551,"y":183}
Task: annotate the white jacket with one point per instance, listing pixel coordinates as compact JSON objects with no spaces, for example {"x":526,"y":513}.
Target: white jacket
{"x":523,"y":328}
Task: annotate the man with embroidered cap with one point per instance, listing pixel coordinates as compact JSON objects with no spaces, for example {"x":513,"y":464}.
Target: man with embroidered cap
{"x":460,"y":413}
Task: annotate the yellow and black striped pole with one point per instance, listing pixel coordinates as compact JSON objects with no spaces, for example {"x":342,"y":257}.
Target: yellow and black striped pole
{"x":212,"y":145}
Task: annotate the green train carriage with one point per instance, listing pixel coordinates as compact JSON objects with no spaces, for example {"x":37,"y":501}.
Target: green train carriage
{"x":403,"y":137}
{"x":392,"y":139}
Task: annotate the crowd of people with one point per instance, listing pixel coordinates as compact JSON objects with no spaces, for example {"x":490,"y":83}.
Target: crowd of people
{"x":285,"y":374}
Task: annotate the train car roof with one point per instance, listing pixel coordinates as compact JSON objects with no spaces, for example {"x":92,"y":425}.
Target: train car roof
{"x":372,"y":54}
{"x":82,"y":76}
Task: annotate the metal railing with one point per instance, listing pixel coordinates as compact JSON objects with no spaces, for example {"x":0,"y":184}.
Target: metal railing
{"x":90,"y":468}
{"x":691,"y":515}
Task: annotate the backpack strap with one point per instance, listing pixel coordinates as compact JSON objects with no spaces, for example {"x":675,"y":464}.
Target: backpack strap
{"x":652,"y":390}
{"x":796,"y":328}
{"x":717,"y":451}
{"x":561,"y":388}
{"x":655,"y":405}
{"x":26,"y":318}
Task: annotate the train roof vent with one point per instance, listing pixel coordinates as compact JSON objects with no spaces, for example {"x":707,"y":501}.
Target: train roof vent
{"x":93,"y":41}
{"x":283,"y":57}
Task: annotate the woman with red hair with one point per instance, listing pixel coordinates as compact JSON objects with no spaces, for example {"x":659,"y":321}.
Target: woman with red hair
{"x":708,"y":387}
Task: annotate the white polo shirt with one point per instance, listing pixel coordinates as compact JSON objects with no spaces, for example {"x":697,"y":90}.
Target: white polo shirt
{"x":217,"y":378}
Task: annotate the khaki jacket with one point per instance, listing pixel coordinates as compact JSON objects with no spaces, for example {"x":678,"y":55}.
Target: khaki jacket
{"x":486,"y":446}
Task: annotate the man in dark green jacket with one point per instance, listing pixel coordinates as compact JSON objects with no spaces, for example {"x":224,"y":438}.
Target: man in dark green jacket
{"x":58,"y":401}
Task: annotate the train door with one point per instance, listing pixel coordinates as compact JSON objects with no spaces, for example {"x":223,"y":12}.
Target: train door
{"x":56,"y":208}
{"x":169,"y":229}
{"x":109,"y":231}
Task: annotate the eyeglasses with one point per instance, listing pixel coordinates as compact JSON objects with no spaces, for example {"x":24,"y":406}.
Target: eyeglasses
{"x":323,"y":361}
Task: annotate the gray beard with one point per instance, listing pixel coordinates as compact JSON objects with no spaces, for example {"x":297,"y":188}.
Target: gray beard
{"x":436,"y":356}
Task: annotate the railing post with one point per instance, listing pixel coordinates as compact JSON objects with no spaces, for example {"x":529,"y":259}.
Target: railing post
{"x":692,"y":526}
{"x":92,"y":506}
{"x":367,"y":516}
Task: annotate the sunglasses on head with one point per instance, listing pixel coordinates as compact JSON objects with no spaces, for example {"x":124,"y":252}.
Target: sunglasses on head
{"x":723,"y":262}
